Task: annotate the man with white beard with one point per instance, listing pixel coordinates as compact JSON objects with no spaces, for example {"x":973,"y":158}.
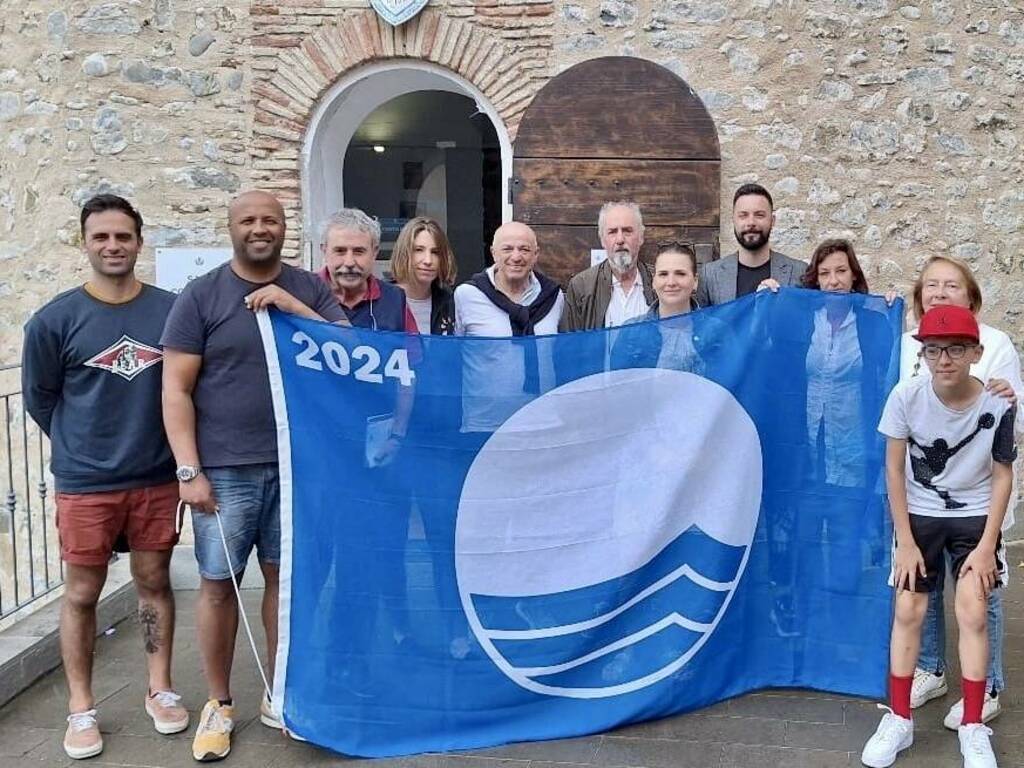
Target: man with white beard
{"x":619,"y":288}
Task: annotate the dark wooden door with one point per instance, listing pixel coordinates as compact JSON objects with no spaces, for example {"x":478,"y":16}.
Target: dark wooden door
{"x":610,"y":129}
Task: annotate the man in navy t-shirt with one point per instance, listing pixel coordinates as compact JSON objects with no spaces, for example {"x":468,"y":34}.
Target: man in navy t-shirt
{"x":220,"y":423}
{"x":91,"y":380}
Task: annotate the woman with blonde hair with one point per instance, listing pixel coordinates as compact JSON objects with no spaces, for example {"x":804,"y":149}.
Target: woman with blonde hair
{"x":947,"y":280}
{"x":423,"y":265}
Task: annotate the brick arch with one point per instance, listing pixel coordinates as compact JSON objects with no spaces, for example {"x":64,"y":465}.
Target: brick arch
{"x":286,"y":97}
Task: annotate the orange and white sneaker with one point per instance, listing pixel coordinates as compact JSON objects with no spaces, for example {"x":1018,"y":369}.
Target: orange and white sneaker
{"x":82,"y":738}
{"x":213,"y":736}
{"x":169,"y":716}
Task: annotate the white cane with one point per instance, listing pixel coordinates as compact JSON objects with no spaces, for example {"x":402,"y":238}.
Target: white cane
{"x":238,"y":594}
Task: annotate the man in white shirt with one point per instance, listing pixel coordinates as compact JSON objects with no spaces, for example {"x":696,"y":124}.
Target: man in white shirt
{"x":619,"y":288}
{"x":510,"y":298}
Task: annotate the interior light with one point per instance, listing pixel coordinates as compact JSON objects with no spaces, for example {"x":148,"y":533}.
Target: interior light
{"x":378,"y":148}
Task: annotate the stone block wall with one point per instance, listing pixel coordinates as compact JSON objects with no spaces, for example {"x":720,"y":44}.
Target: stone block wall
{"x":149,"y":100}
{"x":894,"y":123}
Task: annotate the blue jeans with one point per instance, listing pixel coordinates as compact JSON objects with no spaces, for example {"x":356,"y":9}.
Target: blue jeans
{"x":933,"y":638}
{"x":249,"y":500}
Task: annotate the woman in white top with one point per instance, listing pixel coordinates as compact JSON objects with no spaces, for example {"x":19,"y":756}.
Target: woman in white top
{"x":945,"y":280}
{"x":423,"y":265}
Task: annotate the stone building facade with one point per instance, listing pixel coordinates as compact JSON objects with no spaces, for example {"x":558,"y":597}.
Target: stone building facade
{"x":897,"y":124}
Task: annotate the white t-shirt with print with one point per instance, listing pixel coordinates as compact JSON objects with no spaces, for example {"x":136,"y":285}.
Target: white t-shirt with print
{"x":998,"y":361}
{"x":949,"y":452}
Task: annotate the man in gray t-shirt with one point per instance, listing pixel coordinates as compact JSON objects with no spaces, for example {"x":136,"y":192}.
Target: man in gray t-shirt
{"x":220,"y":423}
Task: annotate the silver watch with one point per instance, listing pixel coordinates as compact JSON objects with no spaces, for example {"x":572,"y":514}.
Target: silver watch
{"x":186,"y":473}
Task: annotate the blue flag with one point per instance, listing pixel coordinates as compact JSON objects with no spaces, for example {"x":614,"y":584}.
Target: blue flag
{"x":497,"y":540}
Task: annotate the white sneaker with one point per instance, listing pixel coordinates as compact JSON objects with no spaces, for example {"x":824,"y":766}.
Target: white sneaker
{"x":82,"y":738}
{"x":267,"y":715}
{"x":269,"y":719}
{"x":927,"y":686}
{"x":975,"y":746}
{"x":989,"y":711}
{"x":893,"y":735}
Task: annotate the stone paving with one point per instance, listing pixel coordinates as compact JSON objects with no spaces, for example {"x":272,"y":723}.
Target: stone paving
{"x":791,"y":729}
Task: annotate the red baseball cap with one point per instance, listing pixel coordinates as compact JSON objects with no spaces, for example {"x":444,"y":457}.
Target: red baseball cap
{"x":947,"y":320}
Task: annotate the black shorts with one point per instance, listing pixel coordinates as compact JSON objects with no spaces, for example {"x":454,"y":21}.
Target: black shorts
{"x":957,"y":537}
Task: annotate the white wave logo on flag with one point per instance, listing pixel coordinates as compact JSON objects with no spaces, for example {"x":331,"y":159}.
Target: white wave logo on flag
{"x":604,"y":528}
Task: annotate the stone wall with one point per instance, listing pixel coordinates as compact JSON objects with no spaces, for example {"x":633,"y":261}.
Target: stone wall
{"x":149,"y":100}
{"x":896,"y":125}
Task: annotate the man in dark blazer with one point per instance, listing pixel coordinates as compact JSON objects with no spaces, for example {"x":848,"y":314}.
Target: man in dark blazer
{"x":755,"y":265}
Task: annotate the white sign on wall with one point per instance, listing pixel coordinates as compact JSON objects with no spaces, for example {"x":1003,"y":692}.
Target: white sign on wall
{"x":176,"y":267}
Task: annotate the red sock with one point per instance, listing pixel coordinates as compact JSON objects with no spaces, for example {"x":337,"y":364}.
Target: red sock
{"x":899,"y":694}
{"x":974,"y":700}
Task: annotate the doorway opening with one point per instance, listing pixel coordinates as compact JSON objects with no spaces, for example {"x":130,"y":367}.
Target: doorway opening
{"x":428,"y":153}
{"x":405,"y":139}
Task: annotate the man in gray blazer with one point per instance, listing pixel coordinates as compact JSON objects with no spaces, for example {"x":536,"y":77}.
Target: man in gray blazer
{"x":754,"y":265}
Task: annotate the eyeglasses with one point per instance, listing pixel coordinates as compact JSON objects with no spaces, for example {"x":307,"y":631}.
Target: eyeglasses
{"x":683,"y":246}
{"x":953,"y":351}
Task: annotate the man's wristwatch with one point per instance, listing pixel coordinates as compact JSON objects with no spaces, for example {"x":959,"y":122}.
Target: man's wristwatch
{"x":186,"y":473}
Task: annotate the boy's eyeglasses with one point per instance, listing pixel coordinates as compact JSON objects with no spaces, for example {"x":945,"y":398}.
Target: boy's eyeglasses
{"x":953,"y":351}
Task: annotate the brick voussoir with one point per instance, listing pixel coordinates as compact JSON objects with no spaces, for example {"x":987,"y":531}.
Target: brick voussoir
{"x":291,"y":70}
{"x":371,"y":20}
{"x":476,"y":39}
{"x":274,"y":131}
{"x":304,"y":68}
{"x":459,"y":44}
{"x":265,"y":105}
{"x":426,"y":35}
{"x":444,"y":26}
{"x":329,"y":42}
{"x":349,"y":43}
{"x":365,"y":28}
{"x":386,"y":33}
{"x":319,"y":58}
{"x":480,"y":55}
{"x":271,"y":92}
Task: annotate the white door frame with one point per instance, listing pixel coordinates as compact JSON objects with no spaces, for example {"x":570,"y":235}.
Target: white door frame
{"x":344,"y":108}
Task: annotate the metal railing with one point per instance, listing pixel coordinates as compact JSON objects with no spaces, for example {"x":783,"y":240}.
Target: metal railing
{"x":30,"y":564}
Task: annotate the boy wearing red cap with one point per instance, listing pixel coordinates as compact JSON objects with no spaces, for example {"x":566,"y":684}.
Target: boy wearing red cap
{"x":948,"y":471}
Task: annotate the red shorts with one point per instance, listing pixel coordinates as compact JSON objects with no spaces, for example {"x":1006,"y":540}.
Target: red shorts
{"x":90,"y":523}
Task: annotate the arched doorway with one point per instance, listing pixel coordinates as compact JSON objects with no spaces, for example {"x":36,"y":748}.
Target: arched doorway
{"x":616,"y":128}
{"x":406,"y":138}
{"x":428,"y":153}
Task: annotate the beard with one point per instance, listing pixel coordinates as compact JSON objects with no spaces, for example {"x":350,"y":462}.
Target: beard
{"x":254,"y":256}
{"x":752,"y":241}
{"x":620,"y":261}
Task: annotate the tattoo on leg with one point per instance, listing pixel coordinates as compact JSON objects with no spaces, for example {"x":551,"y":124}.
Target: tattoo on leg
{"x":149,"y":619}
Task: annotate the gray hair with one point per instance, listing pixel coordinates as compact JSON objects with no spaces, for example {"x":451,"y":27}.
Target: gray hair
{"x":352,"y":218}
{"x":621,"y":204}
